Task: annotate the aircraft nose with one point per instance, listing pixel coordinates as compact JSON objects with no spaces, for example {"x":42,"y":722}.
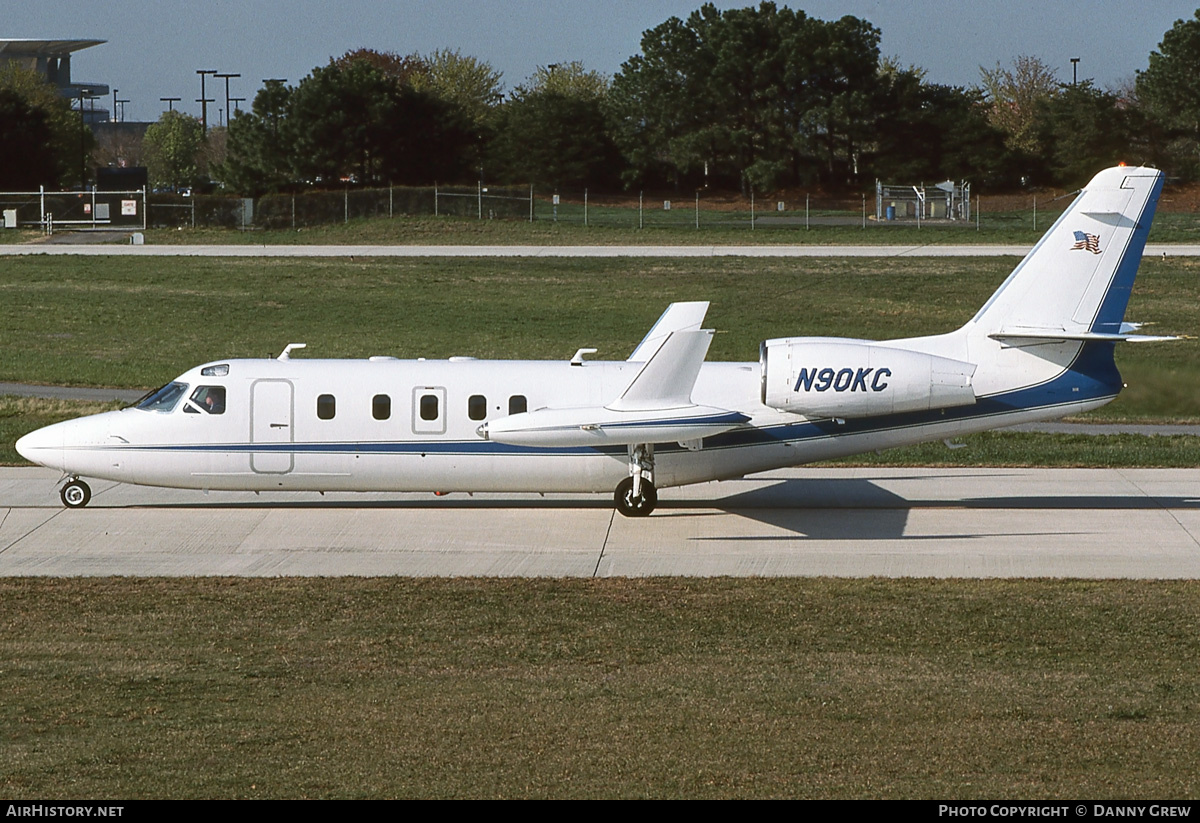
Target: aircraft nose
{"x":43,"y":446}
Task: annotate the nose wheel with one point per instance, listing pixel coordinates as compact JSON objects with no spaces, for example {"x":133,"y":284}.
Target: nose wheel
{"x":75,"y":494}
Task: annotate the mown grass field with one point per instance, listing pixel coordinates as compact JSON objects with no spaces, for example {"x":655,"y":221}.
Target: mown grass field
{"x":220,"y":688}
{"x":620,"y":226}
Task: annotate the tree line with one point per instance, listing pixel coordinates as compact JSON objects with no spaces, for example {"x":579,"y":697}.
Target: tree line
{"x":755,"y":98}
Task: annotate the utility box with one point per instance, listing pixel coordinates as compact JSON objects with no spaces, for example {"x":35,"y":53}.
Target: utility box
{"x":10,"y":218}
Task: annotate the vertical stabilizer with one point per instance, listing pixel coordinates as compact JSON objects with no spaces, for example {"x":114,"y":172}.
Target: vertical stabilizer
{"x":1077,"y":279}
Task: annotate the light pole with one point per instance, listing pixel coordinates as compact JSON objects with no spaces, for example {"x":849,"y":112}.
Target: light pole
{"x":204,"y":101}
{"x":226,"y":76}
{"x":83,"y":141}
{"x":1074,"y":70}
{"x":170,"y":101}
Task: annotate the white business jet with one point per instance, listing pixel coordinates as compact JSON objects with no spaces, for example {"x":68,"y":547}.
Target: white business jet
{"x":1039,"y":349}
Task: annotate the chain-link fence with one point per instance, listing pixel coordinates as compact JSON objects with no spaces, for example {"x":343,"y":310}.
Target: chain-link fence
{"x":675,"y":210}
{"x":49,"y":210}
{"x":700,"y":210}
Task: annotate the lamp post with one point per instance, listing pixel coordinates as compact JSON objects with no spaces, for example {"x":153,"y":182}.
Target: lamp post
{"x":83,"y":141}
{"x":226,"y":77}
{"x":204,"y":101}
{"x":1074,"y":70}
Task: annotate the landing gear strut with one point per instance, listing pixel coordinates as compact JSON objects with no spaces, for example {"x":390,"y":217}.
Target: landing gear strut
{"x":75,"y":494}
{"x":635,"y":495}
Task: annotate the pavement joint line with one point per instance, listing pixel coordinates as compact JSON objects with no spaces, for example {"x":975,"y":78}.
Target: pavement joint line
{"x":4,"y":549}
{"x":1170,"y":513}
{"x":612,"y":516}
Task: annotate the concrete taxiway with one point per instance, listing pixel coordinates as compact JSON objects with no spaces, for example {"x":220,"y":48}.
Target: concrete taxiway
{"x":1086,"y":523}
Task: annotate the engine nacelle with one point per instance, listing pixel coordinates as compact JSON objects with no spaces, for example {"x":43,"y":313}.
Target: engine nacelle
{"x":828,"y":377}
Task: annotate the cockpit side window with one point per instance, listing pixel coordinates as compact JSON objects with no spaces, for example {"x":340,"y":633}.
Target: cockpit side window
{"x":207,"y":399}
{"x":165,"y":399}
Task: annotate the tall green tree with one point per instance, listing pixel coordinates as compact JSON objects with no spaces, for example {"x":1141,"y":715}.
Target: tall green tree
{"x":762,"y":95}
{"x":350,"y":120}
{"x":42,"y":140}
{"x":554,"y":139}
{"x":467,"y":82}
{"x":259,"y":144}
{"x":1014,"y":94}
{"x":1082,"y":129}
{"x":172,"y":148}
{"x":1169,"y":91}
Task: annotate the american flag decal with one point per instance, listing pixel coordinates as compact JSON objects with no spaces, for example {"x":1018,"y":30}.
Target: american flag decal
{"x":1087,"y":242}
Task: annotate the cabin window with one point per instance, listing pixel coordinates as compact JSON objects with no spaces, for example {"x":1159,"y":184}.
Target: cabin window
{"x":429,"y":407}
{"x":326,"y":407}
{"x":221,"y":370}
{"x":381,"y":407}
{"x":477,"y":407}
{"x":207,"y":399}
{"x":164,"y":399}
{"x":517,"y":404}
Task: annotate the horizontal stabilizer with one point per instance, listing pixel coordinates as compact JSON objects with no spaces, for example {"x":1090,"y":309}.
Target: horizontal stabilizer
{"x":1057,"y":335}
{"x":666,"y":381}
{"x":677,"y":317}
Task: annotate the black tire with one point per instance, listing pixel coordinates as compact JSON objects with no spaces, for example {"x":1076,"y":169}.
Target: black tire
{"x":631,"y":506}
{"x":75,"y":495}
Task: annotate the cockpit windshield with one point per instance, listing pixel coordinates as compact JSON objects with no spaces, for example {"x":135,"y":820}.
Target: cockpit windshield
{"x":165,"y":399}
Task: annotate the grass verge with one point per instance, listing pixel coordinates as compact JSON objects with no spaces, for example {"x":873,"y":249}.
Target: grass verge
{"x":218,"y":688}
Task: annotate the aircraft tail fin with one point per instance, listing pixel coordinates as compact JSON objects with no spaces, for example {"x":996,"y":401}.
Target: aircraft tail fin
{"x":1075,"y":283}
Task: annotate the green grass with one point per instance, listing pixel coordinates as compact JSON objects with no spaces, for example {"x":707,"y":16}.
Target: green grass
{"x":619,"y":226}
{"x":133,"y":688}
{"x":138,"y":322}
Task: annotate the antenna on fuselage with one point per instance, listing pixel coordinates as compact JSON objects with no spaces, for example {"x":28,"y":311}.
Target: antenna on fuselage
{"x":287,"y":351}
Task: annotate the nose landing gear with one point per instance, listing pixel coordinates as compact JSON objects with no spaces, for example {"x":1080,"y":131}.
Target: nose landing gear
{"x":75,"y":493}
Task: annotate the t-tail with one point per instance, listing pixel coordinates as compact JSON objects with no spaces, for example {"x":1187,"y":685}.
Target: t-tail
{"x":1075,"y":283}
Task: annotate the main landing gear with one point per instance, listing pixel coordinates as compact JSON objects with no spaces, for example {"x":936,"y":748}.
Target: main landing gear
{"x":75,"y":493}
{"x":635,"y":495}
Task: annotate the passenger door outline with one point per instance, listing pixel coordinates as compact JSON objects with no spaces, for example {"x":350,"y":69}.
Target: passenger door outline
{"x":273,"y":421}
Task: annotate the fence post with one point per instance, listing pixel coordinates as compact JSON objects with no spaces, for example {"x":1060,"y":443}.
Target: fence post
{"x":1035,"y":212}
{"x":93,"y":207}
{"x":293,"y":211}
{"x":751,"y":209}
{"x":585,"y":222}
{"x":864,"y":212}
{"x":806,"y":199}
{"x":389,"y":200}
{"x":145,"y":209}
{"x":978,"y":205}
{"x":42,"y":209}
{"x":193,"y":210}
{"x":697,"y":209}
{"x":479,"y":194}
{"x":346,"y":207}
{"x":641,"y":224}
{"x":530,"y":202}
